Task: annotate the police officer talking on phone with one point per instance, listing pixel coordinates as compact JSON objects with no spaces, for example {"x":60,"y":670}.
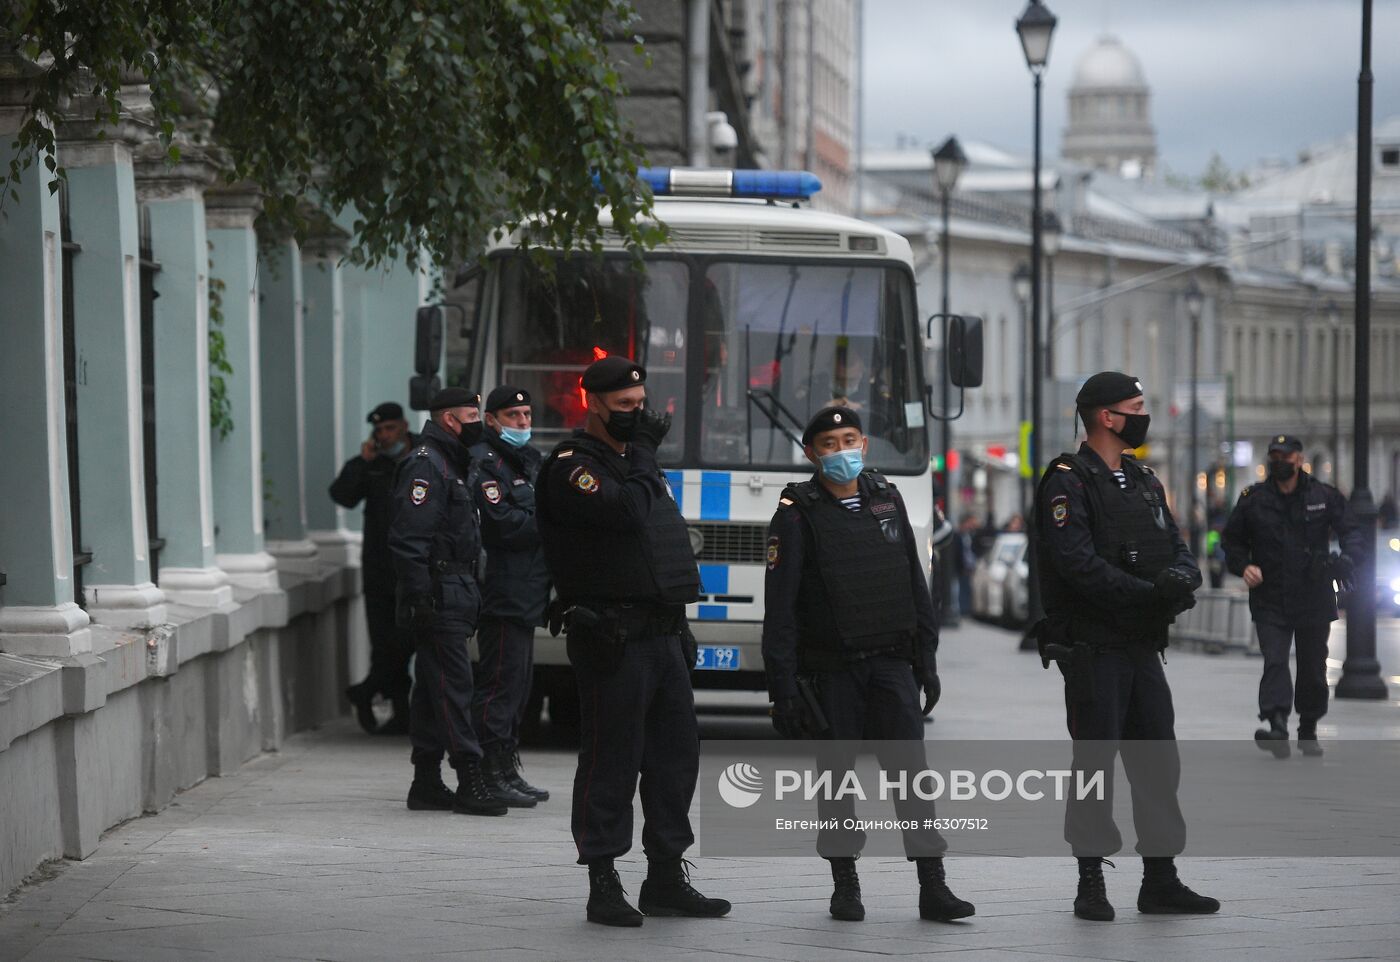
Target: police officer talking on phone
{"x":435,"y":544}
{"x":850,"y":636}
{"x":619,"y":553}
{"x":1278,"y":540}
{"x":1114,"y":572}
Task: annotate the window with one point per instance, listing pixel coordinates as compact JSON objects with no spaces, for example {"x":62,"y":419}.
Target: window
{"x":148,"y":294}
{"x":1390,"y":157}
{"x":72,"y":374}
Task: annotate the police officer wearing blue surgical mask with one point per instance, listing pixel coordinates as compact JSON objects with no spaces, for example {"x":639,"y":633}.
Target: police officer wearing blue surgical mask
{"x":514,"y":590}
{"x":850,"y":635}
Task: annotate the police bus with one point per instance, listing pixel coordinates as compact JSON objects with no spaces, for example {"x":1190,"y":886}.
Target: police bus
{"x":757,"y":312}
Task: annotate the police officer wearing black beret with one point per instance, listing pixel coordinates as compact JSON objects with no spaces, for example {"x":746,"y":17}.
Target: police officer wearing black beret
{"x":1278,"y":540}
{"x":369,"y":477}
{"x":849,"y":636}
{"x":1114,"y":572}
{"x":435,"y":544}
{"x":514,"y":590}
{"x":619,"y":553}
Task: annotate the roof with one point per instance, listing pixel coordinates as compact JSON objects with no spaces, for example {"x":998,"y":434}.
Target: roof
{"x":1108,"y":65}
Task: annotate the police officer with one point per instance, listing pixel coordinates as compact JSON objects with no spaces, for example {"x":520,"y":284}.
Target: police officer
{"x":369,"y":477}
{"x":849,"y":637}
{"x":1277,"y":539}
{"x":514,"y":590}
{"x":435,"y":544}
{"x":1114,"y":571}
{"x":619,"y":554}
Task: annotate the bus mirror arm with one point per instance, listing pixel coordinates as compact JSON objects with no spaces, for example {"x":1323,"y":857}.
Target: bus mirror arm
{"x":772,"y":413}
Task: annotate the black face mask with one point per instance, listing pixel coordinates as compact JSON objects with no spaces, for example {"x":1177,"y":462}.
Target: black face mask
{"x":470,"y":433}
{"x":1282,"y":470}
{"x":1134,"y":432}
{"x":622,"y":425}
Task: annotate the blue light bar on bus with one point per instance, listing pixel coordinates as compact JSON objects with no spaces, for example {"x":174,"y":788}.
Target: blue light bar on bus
{"x":714,"y":182}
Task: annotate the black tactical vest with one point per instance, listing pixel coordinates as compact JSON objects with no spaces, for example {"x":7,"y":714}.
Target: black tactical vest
{"x":1131,"y":533}
{"x":655,"y":564}
{"x":861,"y":600}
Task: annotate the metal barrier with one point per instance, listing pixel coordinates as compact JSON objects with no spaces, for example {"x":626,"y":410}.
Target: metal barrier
{"x":1220,"y":622}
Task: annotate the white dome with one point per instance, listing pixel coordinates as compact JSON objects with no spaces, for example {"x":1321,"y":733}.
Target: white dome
{"x":1108,"y":64}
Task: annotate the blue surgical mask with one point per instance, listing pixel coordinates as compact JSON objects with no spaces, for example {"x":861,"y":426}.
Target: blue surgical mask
{"x":843,"y":467}
{"x":396,"y":449}
{"x":515,"y":437}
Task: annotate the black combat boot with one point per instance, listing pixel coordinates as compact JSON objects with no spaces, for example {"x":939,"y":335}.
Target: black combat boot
{"x":428,"y":793}
{"x":517,"y":780}
{"x":495,"y":767}
{"x":667,"y":891}
{"x":473,"y":796}
{"x":1307,"y":737}
{"x":845,"y":893}
{"x":936,"y":902}
{"x":1091,"y":901}
{"x":362,"y":700}
{"x":1274,"y":739}
{"x":606,"y":902}
{"x":1163,"y":894}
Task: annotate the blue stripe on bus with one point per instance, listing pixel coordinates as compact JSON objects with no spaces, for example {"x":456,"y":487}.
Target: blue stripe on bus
{"x":677,"y":481}
{"x":714,"y":495}
{"x":714,"y":579}
{"x":713,"y":613}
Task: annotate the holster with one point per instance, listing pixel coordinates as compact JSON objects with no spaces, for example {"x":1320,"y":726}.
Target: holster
{"x":1076,"y":661}
{"x":596,"y":640}
{"x":814,"y":719}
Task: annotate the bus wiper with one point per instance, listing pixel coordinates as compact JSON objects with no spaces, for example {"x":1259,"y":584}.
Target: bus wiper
{"x":771,"y":411}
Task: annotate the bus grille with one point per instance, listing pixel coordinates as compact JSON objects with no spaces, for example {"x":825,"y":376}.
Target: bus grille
{"x":731,"y":542}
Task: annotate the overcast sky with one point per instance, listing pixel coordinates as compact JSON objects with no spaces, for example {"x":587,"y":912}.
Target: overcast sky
{"x":1248,"y":78}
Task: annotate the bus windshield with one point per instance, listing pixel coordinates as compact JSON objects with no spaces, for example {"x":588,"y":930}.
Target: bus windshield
{"x":776,"y":341}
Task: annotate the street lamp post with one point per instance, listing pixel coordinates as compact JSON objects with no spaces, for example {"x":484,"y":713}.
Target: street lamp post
{"x":948,"y":163}
{"x":1195,"y":301}
{"x":1050,"y":243}
{"x":1361,"y":673}
{"x":1035,"y":27}
{"x":1334,"y":321}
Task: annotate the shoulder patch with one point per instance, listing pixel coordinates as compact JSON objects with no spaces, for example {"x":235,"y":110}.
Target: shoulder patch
{"x":772,"y":552}
{"x":418,"y":492}
{"x":1059,"y":510}
{"x":492,"y":490}
{"x":583,"y":479}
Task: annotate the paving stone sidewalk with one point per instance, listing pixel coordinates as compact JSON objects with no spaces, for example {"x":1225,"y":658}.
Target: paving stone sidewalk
{"x":310,"y":854}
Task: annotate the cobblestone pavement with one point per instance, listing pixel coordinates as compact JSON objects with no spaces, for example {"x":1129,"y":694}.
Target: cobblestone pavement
{"x":310,"y":854}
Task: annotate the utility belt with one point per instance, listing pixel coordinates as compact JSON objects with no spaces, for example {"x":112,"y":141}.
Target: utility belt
{"x":443,"y":567}
{"x":598,"y":632}
{"x":1074,"y":654}
{"x":812,"y":658}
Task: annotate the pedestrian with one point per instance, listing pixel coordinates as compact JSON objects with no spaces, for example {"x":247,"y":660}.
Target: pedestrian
{"x":369,"y":477}
{"x":849,"y":622}
{"x":1114,"y":571}
{"x":619,"y":554}
{"x":1278,"y":540}
{"x":514,"y":590}
{"x":435,"y":544}
{"x":964,"y":561}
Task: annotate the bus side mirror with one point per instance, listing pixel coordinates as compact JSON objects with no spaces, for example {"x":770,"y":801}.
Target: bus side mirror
{"x":965,"y":351}
{"x":427,"y":341}
{"x":421,"y":388}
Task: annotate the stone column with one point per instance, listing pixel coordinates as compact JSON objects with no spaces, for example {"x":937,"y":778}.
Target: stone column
{"x":106,"y":310}
{"x":237,"y":454}
{"x":283,"y":404}
{"x":37,"y":612}
{"x":174,"y":196}
{"x":324,"y":374}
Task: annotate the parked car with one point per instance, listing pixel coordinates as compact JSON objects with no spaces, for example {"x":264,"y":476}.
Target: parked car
{"x":1388,"y":574}
{"x":994,"y":579}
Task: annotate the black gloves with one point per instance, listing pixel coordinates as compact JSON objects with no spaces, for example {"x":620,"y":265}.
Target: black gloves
{"x":928,"y":680}
{"x":1174,"y":585}
{"x":789,"y":718}
{"x":1339,"y":567}
{"x":651,"y":428}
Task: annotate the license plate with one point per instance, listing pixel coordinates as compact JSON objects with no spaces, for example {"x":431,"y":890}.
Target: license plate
{"x":712,"y":658}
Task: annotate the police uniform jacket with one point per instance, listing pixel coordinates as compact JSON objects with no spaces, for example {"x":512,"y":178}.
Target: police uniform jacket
{"x":842,"y":585}
{"x":610,"y":526}
{"x":1288,"y":537}
{"x":372,"y":482}
{"x":433,"y":536}
{"x":1100,"y":547}
{"x":515,"y":584}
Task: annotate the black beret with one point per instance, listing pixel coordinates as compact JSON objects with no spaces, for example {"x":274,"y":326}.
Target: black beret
{"x":613,"y":373}
{"x":454,"y":397}
{"x":829,"y":419}
{"x":506,"y":396}
{"x":1286,"y":443}
{"x":388,"y":411}
{"x":1107,"y":387}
